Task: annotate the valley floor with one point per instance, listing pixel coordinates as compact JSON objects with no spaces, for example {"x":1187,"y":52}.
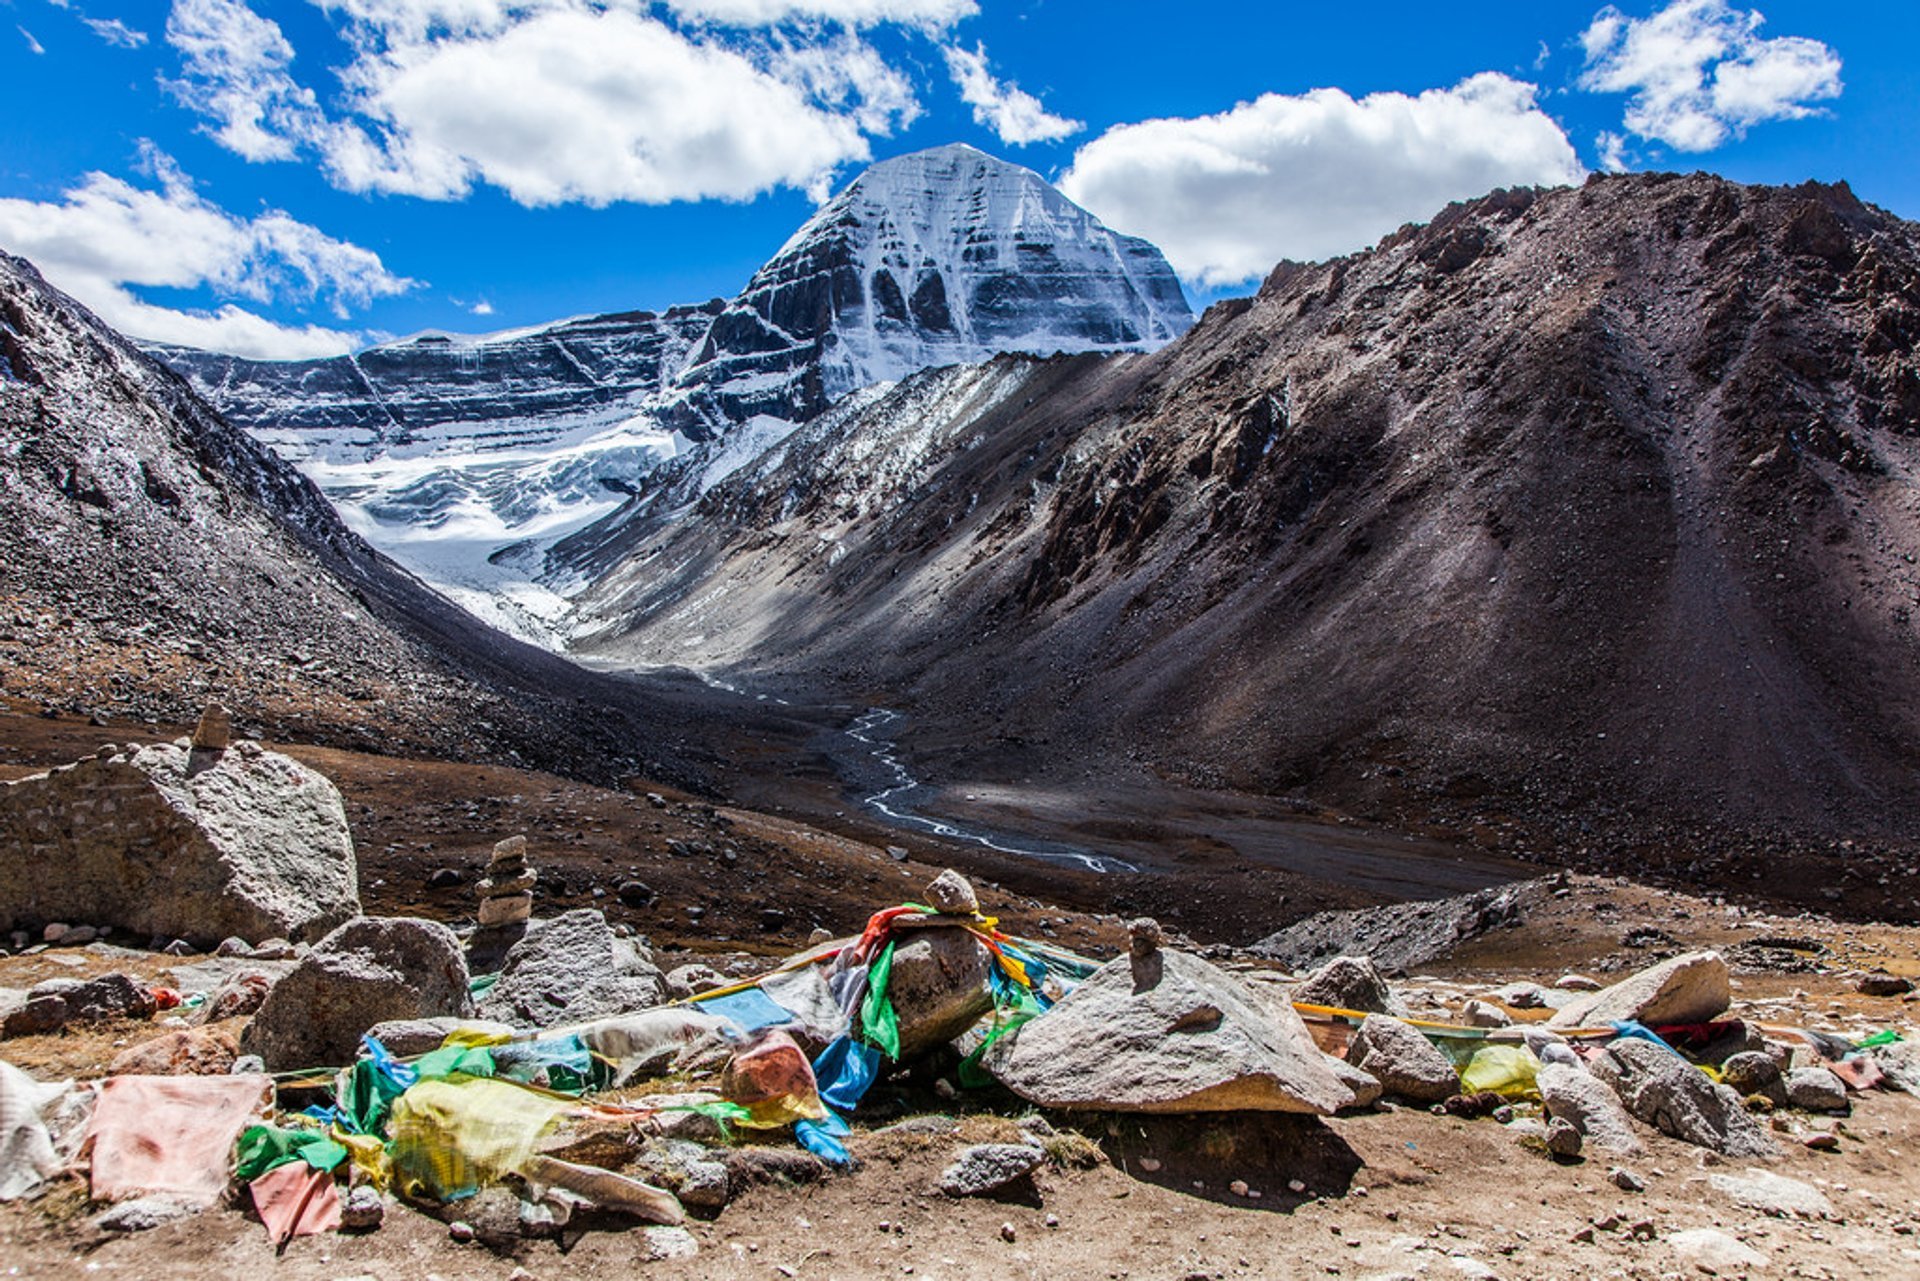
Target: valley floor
{"x":1396,"y":1192}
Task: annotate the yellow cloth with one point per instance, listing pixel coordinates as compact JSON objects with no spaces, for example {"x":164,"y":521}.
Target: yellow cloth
{"x":454,"y":1135}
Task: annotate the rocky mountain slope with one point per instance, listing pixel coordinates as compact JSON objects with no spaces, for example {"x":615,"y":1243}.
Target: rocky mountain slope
{"x":153,"y":557}
{"x":463,"y":457}
{"x":1577,"y":520}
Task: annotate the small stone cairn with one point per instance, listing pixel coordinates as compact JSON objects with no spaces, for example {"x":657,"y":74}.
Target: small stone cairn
{"x":506,"y":895}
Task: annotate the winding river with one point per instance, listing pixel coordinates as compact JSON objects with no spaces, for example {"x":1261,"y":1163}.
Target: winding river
{"x":871,"y":730}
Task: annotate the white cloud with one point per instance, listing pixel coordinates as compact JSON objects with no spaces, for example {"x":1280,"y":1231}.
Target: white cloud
{"x":1698,"y":72}
{"x":235,"y":70}
{"x":558,"y":101}
{"x":32,"y":44}
{"x":1010,"y":111}
{"x":482,"y":308}
{"x":590,"y":107}
{"x":108,"y":237}
{"x":116,"y":32}
{"x":1613,"y":151}
{"x":936,"y":15}
{"x":1308,"y":177}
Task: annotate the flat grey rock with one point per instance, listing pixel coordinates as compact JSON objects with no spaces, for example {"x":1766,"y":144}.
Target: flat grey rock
{"x":988,"y":1167}
{"x":1774,"y":1194}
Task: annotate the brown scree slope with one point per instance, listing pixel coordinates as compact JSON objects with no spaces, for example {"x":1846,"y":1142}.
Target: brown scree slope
{"x":1579,"y":519}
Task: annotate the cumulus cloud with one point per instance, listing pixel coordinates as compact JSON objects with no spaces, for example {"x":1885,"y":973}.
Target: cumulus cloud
{"x":116,"y":32}
{"x":1015,"y":115}
{"x":934,"y":15}
{"x":1315,"y":175}
{"x":590,"y":107}
{"x":235,"y":70}
{"x":556,"y":101}
{"x":1698,"y":72}
{"x":107,"y":237}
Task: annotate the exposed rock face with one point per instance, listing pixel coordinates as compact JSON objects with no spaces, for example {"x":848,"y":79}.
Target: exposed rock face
{"x":1395,"y":937}
{"x":1676,"y":1098}
{"x":939,"y":257}
{"x":571,"y":969}
{"x":193,"y":844}
{"x":1695,"y":988}
{"x":370,"y":970}
{"x":1167,"y":1032}
{"x":1433,"y":485}
{"x":1404,"y":1062}
{"x":144,"y":536}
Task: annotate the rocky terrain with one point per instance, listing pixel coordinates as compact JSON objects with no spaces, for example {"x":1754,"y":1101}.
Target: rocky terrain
{"x":465,"y":457}
{"x":154,"y":558}
{"x":1575,"y":523}
{"x":950,"y":1178}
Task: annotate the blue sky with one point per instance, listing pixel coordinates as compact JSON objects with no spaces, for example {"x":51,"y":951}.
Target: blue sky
{"x":296,"y":178}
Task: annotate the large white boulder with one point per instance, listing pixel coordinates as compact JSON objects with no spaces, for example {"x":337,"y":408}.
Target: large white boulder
{"x":1167,"y":1032}
{"x":1695,"y":988}
{"x":179,"y":842}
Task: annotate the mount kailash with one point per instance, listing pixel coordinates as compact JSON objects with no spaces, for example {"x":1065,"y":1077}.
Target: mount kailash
{"x":467,"y":458}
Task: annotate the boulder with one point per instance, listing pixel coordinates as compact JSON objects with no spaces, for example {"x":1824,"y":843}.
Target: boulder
{"x":938,"y":988}
{"x":168,"y":840}
{"x":1406,"y":1063}
{"x":989,"y":1167}
{"x":952,"y":893}
{"x":572,"y":969}
{"x":1366,"y":1087}
{"x":1754,"y":1072}
{"x":198,"y":1051}
{"x":1816,"y":1090}
{"x":405,"y":1038}
{"x":1901,"y":1062}
{"x":1167,"y":1032}
{"x":367,"y":971}
{"x":692,"y":979}
{"x":55,"y":1003}
{"x":1485,"y":1014}
{"x":1575,"y":1095}
{"x":1676,"y":1098}
{"x":1349,"y":983}
{"x":1695,"y":988}
{"x":239,"y":994}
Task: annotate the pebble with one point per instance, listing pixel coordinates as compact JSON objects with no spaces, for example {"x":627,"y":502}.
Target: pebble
{"x":1238,"y":1187}
{"x":1823,"y":1142}
{"x":1626,"y":1180}
{"x":1007,"y":1233}
{"x":1053,"y":1220}
{"x":1149,"y":1164}
{"x":460,"y":1231}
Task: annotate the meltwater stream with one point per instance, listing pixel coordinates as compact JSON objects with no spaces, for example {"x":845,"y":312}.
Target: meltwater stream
{"x":870,"y":731}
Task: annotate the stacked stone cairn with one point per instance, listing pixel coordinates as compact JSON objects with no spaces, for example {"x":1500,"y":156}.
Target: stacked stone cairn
{"x":506,"y":895}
